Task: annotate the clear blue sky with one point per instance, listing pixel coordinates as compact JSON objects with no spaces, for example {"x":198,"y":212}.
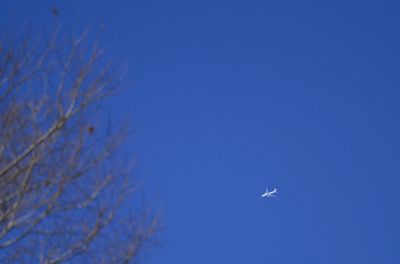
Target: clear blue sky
{"x":229,"y":97}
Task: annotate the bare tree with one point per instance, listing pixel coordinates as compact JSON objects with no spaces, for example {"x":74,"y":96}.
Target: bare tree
{"x":63,"y":182}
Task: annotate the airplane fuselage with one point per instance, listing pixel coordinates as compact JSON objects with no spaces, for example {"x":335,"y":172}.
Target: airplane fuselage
{"x":269,"y":194}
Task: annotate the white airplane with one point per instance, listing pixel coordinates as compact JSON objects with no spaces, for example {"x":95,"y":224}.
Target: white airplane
{"x":269,"y":194}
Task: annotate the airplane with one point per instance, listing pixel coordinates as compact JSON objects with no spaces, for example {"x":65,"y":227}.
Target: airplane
{"x":269,"y":194}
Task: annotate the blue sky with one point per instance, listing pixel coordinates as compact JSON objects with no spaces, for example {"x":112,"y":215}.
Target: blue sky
{"x":229,"y":97}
